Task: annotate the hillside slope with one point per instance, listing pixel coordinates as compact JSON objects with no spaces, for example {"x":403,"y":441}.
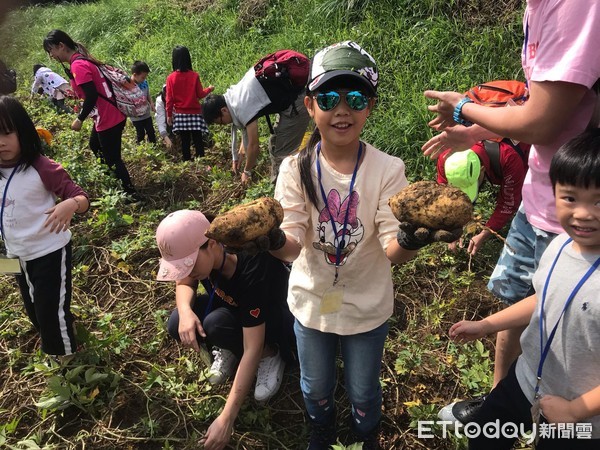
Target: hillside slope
{"x":132,"y":387}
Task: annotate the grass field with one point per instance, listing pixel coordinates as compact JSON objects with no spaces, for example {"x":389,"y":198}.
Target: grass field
{"x":132,"y":387}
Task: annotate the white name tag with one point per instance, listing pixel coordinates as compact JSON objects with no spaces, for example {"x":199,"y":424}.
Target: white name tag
{"x":9,"y":265}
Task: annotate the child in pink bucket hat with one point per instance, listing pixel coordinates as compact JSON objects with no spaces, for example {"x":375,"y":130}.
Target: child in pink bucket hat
{"x":243,"y":316}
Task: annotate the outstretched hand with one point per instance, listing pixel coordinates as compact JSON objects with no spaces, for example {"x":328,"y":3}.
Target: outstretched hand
{"x":444,"y":108}
{"x":412,"y":237}
{"x":456,"y":138}
{"x":218,"y":434}
{"x":467,"y":330}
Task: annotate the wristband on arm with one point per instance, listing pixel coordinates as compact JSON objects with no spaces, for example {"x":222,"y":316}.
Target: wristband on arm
{"x":457,"y":115}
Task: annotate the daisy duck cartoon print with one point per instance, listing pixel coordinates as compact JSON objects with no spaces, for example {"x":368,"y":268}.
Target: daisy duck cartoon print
{"x":339,"y":229}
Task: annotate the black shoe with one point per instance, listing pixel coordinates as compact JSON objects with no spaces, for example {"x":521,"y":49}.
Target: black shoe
{"x":133,"y":198}
{"x":463,"y":411}
{"x":370,"y":440}
{"x":322,"y":436}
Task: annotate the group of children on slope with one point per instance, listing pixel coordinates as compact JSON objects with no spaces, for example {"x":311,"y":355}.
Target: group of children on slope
{"x":336,"y":223}
{"x":179,"y":113}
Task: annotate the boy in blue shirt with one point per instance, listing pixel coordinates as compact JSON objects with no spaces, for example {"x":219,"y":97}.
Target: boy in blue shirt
{"x":143,"y":124}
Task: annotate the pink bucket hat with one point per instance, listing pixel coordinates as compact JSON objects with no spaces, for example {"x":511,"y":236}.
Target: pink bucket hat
{"x":179,"y":237}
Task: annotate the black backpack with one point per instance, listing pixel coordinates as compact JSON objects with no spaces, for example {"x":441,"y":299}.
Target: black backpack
{"x":283,"y":75}
{"x":492,"y":149}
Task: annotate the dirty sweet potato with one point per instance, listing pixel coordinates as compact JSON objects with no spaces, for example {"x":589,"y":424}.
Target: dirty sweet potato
{"x":432,"y":205}
{"x":244,"y":223}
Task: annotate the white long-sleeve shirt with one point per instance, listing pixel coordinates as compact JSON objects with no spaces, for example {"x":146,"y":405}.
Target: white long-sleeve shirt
{"x":26,"y":198}
{"x":51,"y":83}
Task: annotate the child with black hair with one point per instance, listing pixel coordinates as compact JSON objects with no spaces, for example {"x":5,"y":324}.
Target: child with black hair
{"x":342,"y":236}
{"x":555,"y":382}
{"x":35,"y":229}
{"x":184,"y":111}
{"x":56,"y":88}
{"x":165,"y":131}
{"x":143,"y":124}
{"x":89,"y":83}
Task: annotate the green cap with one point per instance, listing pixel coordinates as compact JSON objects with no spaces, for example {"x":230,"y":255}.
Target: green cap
{"x":346,"y":59}
{"x":462,"y":171}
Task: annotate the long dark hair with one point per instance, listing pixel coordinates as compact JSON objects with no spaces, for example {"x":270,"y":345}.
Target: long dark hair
{"x":305,"y":163}
{"x":14,"y":119}
{"x":181,"y":59}
{"x":56,"y":37}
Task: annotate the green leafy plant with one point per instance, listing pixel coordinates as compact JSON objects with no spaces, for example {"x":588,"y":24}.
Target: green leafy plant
{"x":85,"y":387}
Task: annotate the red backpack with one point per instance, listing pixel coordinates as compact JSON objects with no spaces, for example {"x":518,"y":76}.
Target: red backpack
{"x":499,"y":93}
{"x":283,"y":75}
{"x":284,"y":65}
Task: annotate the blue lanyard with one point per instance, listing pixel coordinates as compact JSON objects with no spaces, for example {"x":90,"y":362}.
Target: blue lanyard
{"x":545,"y":348}
{"x":525,"y":42}
{"x":211,"y":296}
{"x":4,"y":200}
{"x":341,"y":244}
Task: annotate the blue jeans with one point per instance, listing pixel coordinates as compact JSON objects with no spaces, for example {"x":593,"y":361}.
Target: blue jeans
{"x":512,"y":277}
{"x":362,"y":355}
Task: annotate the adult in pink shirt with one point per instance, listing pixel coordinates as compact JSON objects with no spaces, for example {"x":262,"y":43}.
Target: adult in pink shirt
{"x":184,"y":111}
{"x":89,"y":83}
{"x":561,"y":62}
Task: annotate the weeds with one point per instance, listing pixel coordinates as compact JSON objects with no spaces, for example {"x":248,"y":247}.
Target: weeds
{"x":132,"y":386}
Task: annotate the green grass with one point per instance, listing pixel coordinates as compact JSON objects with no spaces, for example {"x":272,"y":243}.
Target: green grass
{"x":133,"y":387}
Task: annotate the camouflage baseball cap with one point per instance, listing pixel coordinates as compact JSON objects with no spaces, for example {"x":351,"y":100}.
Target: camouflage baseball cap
{"x":344,"y":59}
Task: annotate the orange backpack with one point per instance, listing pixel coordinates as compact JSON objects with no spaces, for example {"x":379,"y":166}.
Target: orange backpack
{"x":499,"y":93}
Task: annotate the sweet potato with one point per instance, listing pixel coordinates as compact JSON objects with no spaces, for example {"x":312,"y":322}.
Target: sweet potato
{"x":244,"y":223}
{"x":432,"y":205}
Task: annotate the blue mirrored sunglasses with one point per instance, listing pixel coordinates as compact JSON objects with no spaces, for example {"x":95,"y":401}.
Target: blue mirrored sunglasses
{"x":356,"y":100}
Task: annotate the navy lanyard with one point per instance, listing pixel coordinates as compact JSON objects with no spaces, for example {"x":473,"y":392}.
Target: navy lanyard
{"x":546,"y":348}
{"x":4,"y":199}
{"x":341,"y":244}
{"x":214,"y":285}
{"x":525,"y":42}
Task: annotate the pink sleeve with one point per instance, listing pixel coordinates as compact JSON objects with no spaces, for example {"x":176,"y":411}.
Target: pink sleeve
{"x":563,"y":41}
{"x":82,"y":71}
{"x":56,"y":179}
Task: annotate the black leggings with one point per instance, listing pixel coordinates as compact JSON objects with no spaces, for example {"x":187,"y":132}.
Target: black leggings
{"x":223,"y":329}
{"x":186,"y":137}
{"x":142,"y":128}
{"x":45,"y":285}
{"x":106,"y":146}
{"x":507,"y":403}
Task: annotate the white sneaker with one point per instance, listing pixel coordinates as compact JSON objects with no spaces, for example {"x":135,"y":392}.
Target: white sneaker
{"x":268,"y":377}
{"x":223,"y":365}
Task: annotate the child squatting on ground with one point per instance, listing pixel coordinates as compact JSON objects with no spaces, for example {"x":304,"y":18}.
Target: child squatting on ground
{"x":555,"y":382}
{"x":342,"y":237}
{"x":244,"y":315}
{"x":36,"y":229}
{"x":55,"y":87}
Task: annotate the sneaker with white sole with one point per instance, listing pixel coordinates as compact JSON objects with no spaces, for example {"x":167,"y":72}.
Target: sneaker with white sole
{"x":463,"y":411}
{"x":223,"y":365}
{"x":268,"y":377}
